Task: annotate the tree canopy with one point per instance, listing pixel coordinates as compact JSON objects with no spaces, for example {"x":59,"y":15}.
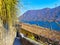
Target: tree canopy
{"x":8,"y":11}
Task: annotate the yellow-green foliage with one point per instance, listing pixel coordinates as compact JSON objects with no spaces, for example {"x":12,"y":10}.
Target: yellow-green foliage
{"x":8,"y":10}
{"x":28,"y":34}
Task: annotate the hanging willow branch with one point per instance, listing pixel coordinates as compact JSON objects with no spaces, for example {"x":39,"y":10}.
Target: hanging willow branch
{"x":8,"y":10}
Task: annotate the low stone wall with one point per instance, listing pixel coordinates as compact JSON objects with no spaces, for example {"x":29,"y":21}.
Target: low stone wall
{"x":26,"y":42}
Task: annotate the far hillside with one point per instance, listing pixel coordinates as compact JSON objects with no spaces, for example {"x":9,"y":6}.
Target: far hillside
{"x":47,"y":17}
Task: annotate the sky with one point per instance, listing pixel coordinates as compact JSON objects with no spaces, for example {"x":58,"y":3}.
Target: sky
{"x":25,"y":5}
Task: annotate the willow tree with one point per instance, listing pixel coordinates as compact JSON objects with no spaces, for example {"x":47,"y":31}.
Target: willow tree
{"x":8,"y":12}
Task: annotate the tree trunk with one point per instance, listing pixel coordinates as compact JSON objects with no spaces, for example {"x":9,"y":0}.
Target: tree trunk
{"x":7,"y":37}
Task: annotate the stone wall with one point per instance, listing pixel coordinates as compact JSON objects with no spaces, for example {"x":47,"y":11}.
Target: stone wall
{"x":26,"y":42}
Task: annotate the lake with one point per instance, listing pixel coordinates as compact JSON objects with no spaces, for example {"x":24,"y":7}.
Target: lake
{"x":54,"y":25}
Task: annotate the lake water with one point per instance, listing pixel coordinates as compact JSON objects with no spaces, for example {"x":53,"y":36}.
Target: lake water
{"x":54,"y":25}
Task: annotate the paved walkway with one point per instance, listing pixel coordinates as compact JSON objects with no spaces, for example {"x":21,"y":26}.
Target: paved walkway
{"x":17,"y":41}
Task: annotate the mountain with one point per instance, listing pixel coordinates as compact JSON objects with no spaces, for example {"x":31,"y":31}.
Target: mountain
{"x":42,"y":16}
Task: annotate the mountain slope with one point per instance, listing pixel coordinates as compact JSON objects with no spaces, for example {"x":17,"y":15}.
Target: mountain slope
{"x":45,"y":17}
{"x":41,"y":15}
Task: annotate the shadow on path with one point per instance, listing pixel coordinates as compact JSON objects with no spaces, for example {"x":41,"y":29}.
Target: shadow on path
{"x":17,"y":41}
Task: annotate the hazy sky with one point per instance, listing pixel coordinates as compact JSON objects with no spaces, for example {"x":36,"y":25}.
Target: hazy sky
{"x":37,"y":4}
